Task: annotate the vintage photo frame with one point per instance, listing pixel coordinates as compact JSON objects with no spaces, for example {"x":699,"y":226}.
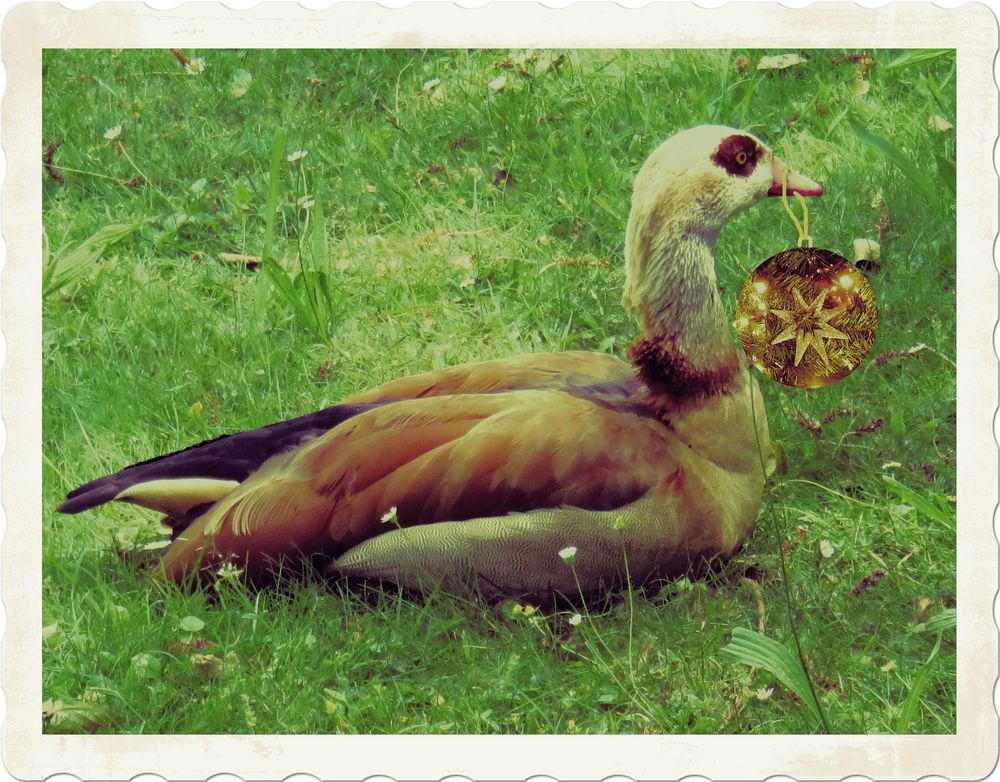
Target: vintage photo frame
{"x":971,"y":30}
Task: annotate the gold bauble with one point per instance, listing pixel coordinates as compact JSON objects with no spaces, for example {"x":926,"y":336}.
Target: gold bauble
{"x":806,"y":317}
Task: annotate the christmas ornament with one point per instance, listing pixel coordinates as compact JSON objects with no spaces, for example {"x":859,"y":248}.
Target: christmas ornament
{"x":806,"y":317}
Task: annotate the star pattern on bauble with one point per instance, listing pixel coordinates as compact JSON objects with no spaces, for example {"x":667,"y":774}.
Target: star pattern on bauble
{"x":809,"y":325}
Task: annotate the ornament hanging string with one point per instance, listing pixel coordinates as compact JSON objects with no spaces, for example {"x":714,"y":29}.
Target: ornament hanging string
{"x":803,"y":227}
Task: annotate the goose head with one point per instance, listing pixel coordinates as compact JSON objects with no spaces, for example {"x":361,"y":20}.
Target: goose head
{"x":686,"y":191}
{"x":702,"y":177}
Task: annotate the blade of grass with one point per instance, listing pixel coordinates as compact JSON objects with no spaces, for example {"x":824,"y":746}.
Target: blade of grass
{"x":918,"y":501}
{"x":915,"y":57}
{"x":273,"y":270}
{"x":48,"y":263}
{"x":314,"y":279}
{"x":943,"y":105}
{"x":947,"y":172}
{"x":941,"y":621}
{"x":760,"y":651}
{"x":274,"y":188}
{"x":894,"y":156}
{"x":68,"y":266}
{"x":908,"y":709}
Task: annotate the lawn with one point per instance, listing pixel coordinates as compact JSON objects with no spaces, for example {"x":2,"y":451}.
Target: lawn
{"x":436,"y":207}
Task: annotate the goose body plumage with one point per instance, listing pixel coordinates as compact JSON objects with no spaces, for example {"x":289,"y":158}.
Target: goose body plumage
{"x":480,"y":475}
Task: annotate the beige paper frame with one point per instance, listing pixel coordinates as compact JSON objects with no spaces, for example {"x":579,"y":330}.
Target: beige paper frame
{"x":971,"y":753}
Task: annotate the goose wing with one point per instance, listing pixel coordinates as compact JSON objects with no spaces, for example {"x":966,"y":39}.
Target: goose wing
{"x":181,"y":483}
{"x":434,"y":460}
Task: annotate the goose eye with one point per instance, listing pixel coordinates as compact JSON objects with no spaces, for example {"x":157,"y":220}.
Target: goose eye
{"x":737,"y":155}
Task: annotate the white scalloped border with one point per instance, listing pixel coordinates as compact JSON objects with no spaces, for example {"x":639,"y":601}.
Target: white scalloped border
{"x":971,"y":28}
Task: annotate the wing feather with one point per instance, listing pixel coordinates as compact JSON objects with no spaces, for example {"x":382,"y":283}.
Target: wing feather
{"x":434,"y":459}
{"x":522,"y":372}
{"x":539,"y":449}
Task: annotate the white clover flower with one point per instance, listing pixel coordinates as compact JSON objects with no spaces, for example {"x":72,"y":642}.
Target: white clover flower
{"x":229,"y":570}
{"x":112,"y":133}
{"x":297,"y":155}
{"x":229,"y":573}
{"x":195,"y":66}
{"x":568,"y":554}
{"x":575,"y":620}
{"x":389,"y":517}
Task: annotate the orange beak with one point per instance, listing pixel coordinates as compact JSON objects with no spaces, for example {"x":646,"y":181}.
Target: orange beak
{"x":794,"y":181}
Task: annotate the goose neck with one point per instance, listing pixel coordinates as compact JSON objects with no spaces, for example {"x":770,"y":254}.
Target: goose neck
{"x":685,"y":349}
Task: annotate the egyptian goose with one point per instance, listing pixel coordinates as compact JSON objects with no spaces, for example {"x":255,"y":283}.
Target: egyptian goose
{"x":536,"y":474}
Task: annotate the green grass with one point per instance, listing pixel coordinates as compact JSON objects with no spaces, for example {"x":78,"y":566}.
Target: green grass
{"x":395,"y":251}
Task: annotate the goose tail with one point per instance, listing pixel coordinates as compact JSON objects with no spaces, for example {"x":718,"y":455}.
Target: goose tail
{"x":197,"y":476}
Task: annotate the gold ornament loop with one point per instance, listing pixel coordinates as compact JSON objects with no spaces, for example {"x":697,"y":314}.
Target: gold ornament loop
{"x":803,"y":227}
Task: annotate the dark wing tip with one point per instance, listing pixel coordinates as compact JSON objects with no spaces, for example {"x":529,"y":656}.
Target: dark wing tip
{"x":78,"y":501}
{"x":229,"y":457}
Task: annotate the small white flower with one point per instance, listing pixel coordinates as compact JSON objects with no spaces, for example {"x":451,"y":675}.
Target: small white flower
{"x":764,"y":693}
{"x":297,"y":155}
{"x":112,"y":133}
{"x":568,"y":554}
{"x":575,"y":619}
{"x":389,"y":517}
{"x":826,"y":549}
{"x":195,"y":66}
{"x":229,"y":570}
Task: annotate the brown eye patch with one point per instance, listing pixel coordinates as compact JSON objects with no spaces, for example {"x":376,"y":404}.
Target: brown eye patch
{"x":737,"y":155}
